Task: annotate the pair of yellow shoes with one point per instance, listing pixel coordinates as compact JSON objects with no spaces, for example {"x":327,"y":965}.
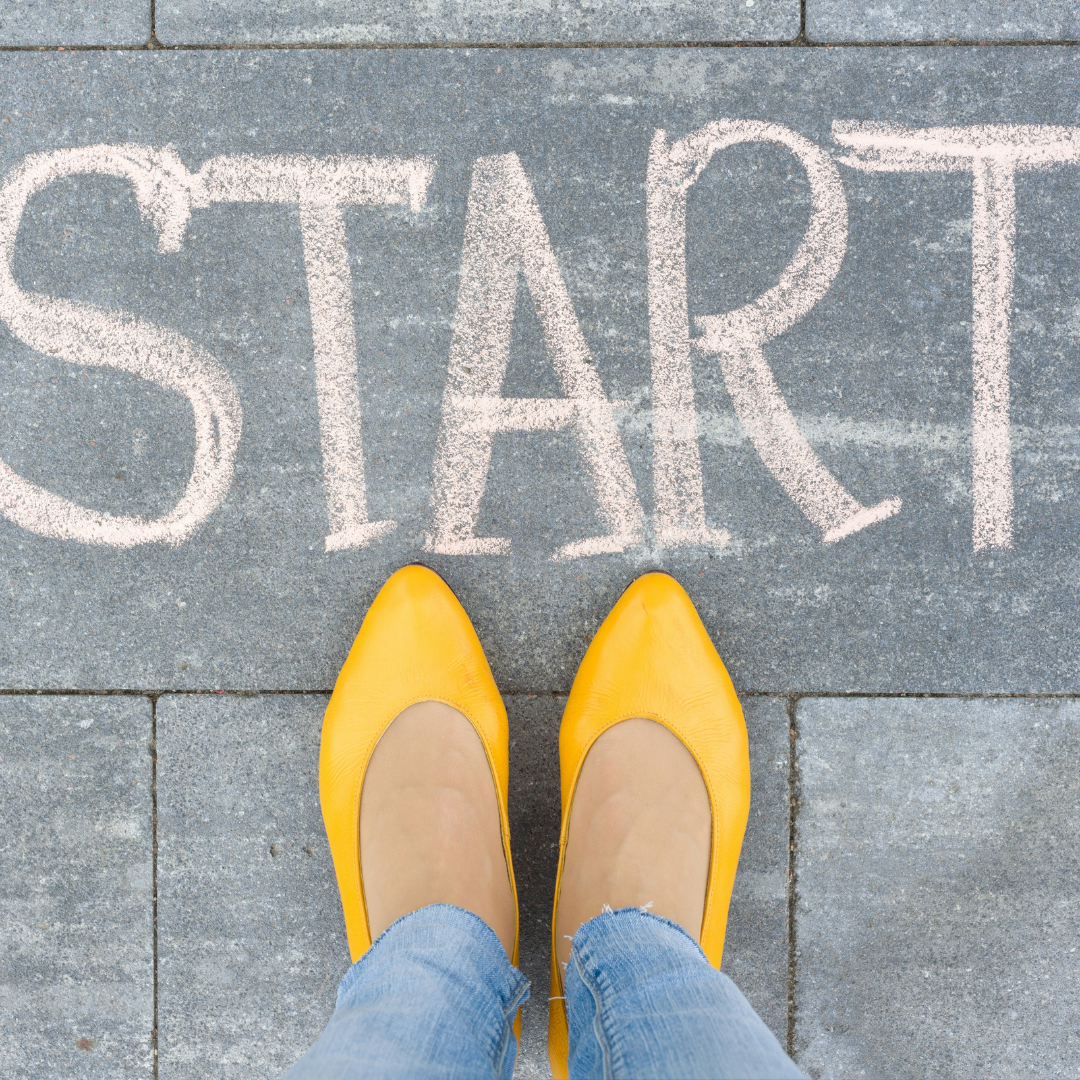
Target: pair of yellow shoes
{"x":651,"y":658}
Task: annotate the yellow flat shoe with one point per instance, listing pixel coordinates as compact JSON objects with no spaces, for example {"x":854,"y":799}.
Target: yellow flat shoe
{"x":416,"y":644}
{"x":652,"y":658}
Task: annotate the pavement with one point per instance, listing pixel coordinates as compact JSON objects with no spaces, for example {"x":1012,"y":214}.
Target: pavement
{"x":783,"y":301}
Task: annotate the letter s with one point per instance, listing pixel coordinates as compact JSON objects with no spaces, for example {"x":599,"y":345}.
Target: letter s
{"x":81,"y":334}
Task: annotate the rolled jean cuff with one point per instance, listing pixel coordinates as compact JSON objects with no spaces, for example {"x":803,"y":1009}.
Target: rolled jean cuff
{"x":643,"y":1001}
{"x":436,"y":931}
{"x":434,"y":997}
{"x":633,"y":927}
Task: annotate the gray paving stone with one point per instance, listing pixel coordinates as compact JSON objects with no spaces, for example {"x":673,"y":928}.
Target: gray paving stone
{"x":937,"y":882}
{"x":756,"y":946}
{"x":76,"y":891}
{"x":252,"y":944}
{"x":61,"y":22}
{"x":251,"y":937}
{"x":964,"y":20}
{"x":878,"y":374}
{"x":535,"y":817}
{"x":400,"y":21}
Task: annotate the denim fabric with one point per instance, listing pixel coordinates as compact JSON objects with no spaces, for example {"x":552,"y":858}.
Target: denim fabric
{"x":643,"y":1002}
{"x":434,"y":996}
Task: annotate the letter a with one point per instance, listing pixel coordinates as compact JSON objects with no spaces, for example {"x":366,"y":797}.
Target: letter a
{"x":505,"y":236}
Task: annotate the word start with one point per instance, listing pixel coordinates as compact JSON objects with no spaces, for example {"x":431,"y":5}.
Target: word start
{"x":505,"y":237}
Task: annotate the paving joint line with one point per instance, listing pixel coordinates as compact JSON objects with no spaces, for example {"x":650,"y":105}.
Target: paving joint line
{"x":154,"y":1040}
{"x":152,"y":41}
{"x":152,"y":44}
{"x":963,"y":695}
{"x":154,"y":693}
{"x":794,"y":791}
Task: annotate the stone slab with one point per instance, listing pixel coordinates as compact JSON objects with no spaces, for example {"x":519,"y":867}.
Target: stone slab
{"x":756,"y":945}
{"x":937,"y":884}
{"x":251,"y":936}
{"x":535,"y":817}
{"x":878,"y":375}
{"x":76,"y":891}
{"x":252,"y":944}
{"x":965,"y":20}
{"x":183,"y":22}
{"x":88,"y":22}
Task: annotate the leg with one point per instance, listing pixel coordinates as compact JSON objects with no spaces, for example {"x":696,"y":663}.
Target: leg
{"x":435,"y":996}
{"x":412,"y":781}
{"x":643,"y":1002}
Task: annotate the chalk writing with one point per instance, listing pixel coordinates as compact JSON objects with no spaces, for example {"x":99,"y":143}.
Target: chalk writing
{"x":736,"y":339}
{"x":166,"y":193}
{"x":506,"y":239}
{"x":992,"y":153}
{"x":81,"y":334}
{"x":321,"y":187}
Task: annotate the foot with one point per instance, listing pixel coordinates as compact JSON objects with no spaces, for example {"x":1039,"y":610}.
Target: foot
{"x":640,"y":832}
{"x":429,"y":823}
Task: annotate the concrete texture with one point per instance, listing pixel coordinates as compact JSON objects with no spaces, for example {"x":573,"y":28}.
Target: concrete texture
{"x":934,"y":838}
{"x":252,"y":941}
{"x":251,"y":936}
{"x":363,"y":21}
{"x":937,"y":883}
{"x":756,"y":946}
{"x":920,"y":20}
{"x":76,"y":888}
{"x":878,"y":374}
{"x":67,"y":22}
{"x":535,"y":817}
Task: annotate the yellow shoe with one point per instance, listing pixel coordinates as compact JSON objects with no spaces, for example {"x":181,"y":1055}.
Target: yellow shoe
{"x":652,"y":658}
{"x":416,"y":644}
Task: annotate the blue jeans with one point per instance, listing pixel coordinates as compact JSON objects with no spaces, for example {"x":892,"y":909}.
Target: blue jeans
{"x":435,"y":996}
